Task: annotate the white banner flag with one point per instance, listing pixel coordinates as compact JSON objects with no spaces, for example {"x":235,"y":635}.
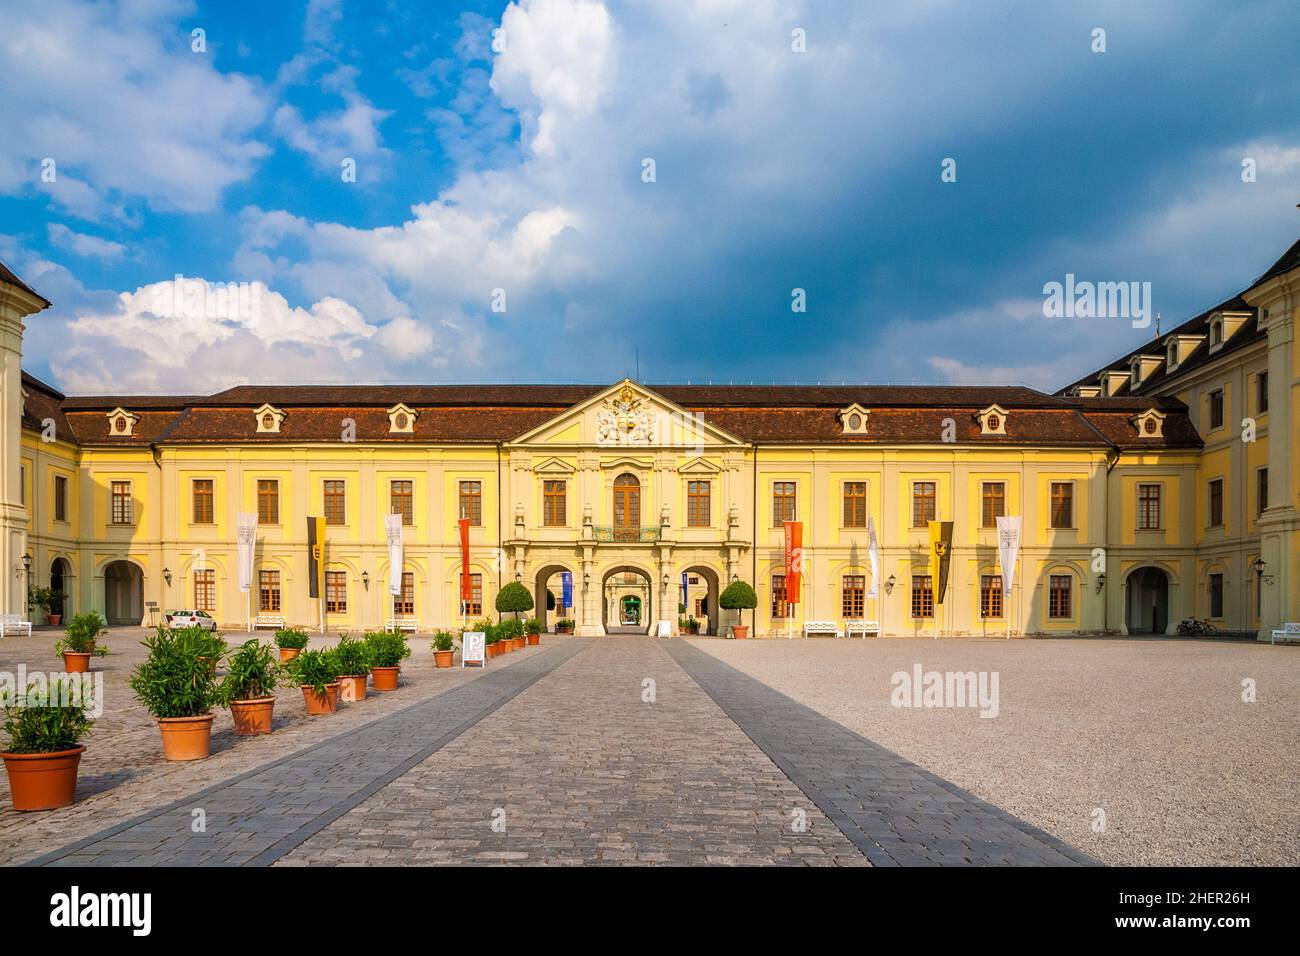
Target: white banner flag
{"x":393,"y":529}
{"x":1008,"y":549}
{"x":873,"y":552}
{"x":246,"y":540}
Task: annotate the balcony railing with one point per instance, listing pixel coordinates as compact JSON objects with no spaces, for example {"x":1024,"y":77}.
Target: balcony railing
{"x":605,"y":532}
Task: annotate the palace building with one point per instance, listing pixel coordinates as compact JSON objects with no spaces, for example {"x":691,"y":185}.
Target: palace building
{"x":1158,"y":488}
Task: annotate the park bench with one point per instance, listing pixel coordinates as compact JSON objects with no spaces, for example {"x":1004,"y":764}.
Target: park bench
{"x":269,"y":620}
{"x":1289,"y":632}
{"x":865,"y":628}
{"x":821,"y":627}
{"x":14,"y":624}
{"x":403,"y":624}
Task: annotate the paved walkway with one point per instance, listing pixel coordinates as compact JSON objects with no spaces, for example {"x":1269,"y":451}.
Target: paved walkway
{"x":618,"y":750}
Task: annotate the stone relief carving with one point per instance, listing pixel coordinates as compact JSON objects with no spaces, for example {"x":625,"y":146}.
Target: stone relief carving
{"x":622,"y":421}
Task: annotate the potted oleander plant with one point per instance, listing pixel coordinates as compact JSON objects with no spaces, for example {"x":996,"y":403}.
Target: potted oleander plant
{"x":316,"y":672}
{"x":248,"y":689}
{"x":511,"y":632}
{"x":291,"y":642}
{"x":737,"y":597}
{"x":564,"y":625}
{"x":45,"y":728}
{"x":49,"y":600}
{"x":177,"y":683}
{"x":444,"y":652}
{"x":387,"y":651}
{"x":79,"y":642}
{"x":353,"y":660}
{"x":533,"y":631}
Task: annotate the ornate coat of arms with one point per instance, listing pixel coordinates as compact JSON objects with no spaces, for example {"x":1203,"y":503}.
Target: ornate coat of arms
{"x":622,"y":421}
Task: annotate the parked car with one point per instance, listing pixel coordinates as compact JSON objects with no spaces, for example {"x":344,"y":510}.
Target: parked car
{"x":190,"y":619}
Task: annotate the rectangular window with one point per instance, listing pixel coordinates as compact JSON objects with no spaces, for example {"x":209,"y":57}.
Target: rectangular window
{"x":779,"y":606}
{"x":268,"y":501}
{"x":991,"y":596}
{"x":1261,"y":392}
{"x":1216,"y":595}
{"x":1148,"y":507}
{"x":1261,"y":490}
{"x":404,"y":603}
{"x":555,"y":504}
{"x":922,"y":596}
{"x":1216,"y":408}
{"x":782,"y":503}
{"x":1216,"y":503}
{"x":854,"y":604}
{"x":336,"y":592}
{"x":923,"y":503}
{"x":699,"y":504}
{"x":202,"y":489}
{"x":1062,"y":504}
{"x":1060,"y":591}
{"x":401,"y":500}
{"x":475,"y":594}
{"x":995,"y":503}
{"x":336,"y":497}
{"x":122,"y":504}
{"x":471,"y":502}
{"x":855,"y":504}
{"x":60,"y":498}
{"x":268,"y":592}
{"x":205,"y":590}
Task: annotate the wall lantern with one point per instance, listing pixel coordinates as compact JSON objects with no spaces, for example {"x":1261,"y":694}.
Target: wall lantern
{"x":167,"y":576}
{"x":889,"y":585}
{"x":27,"y":563}
{"x":586,"y":581}
{"x":1101,"y":582}
{"x":1258,"y":565}
{"x":365,"y":580}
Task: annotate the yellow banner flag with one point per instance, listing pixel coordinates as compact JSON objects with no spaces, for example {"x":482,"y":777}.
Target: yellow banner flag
{"x":940,"y":557}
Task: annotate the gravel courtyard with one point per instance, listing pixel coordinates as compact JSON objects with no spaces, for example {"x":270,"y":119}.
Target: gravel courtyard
{"x":1153,"y":733}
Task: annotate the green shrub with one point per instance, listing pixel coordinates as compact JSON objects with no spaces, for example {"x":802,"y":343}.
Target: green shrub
{"x":48,"y":600}
{"x":352,"y":656}
{"x":290,"y":638}
{"x":514,"y":598}
{"x":443,"y":641}
{"x":252,"y":671}
{"x":82,"y":632}
{"x":564,"y":622}
{"x":738,"y":596}
{"x":387,"y":648}
{"x":178,"y":678}
{"x":532,"y":626}
{"x":510,"y":628}
{"x":550,"y":600}
{"x":314,"y":669}
{"x":48,"y":719}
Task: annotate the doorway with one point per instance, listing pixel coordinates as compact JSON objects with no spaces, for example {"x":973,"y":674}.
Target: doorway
{"x":1148,"y":601}
{"x":123,"y":593}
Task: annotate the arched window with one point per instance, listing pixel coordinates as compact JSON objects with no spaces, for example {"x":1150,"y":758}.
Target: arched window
{"x":627,"y":508}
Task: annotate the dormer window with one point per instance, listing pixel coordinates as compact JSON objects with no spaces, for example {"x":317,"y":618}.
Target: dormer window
{"x":853,"y":420}
{"x":401,"y":420}
{"x":992,"y":420}
{"x":1216,"y":334}
{"x":269,"y":419}
{"x":121,"y":423}
{"x":1150,"y":424}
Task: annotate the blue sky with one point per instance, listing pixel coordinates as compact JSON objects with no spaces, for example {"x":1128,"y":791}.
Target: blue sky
{"x":517,"y":172}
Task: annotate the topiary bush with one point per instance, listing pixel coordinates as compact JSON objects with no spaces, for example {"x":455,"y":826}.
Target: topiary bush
{"x":737,"y":597}
{"x":514,"y":599}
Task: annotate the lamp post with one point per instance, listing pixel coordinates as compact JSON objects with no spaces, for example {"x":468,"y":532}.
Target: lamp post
{"x":27,"y":579}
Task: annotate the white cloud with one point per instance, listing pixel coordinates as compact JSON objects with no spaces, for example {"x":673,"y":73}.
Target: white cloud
{"x":125,"y":114}
{"x":83,"y":245}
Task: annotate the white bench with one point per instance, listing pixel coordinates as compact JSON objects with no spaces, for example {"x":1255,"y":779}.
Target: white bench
{"x":1289,"y":632}
{"x":14,"y":624}
{"x":403,"y":624}
{"x":269,"y":620}
{"x":821,"y":627}
{"x":864,"y":628}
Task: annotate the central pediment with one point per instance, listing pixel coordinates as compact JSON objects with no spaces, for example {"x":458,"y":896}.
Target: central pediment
{"x":627,"y":416}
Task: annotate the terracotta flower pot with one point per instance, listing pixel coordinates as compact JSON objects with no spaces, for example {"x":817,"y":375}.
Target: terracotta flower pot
{"x":443,"y":658}
{"x":43,"y":781}
{"x":55,"y":619}
{"x":75,"y":663}
{"x":352,"y":688}
{"x":534,"y":640}
{"x":252,"y":716}
{"x":740,"y":631}
{"x":289,"y":653}
{"x":186,"y":738}
{"x":564,"y":630}
{"x":325,"y":703}
{"x":385,"y":678}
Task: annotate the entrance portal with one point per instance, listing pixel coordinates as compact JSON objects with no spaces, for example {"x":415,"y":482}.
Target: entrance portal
{"x":1148,"y":601}
{"x":626,"y":600}
{"x":123,"y":593}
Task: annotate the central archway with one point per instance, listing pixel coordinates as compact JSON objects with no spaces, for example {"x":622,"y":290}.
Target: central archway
{"x":548,"y":579}
{"x":123,"y":593}
{"x":1147,"y":610}
{"x":701,"y":597}
{"x":620,"y":583}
